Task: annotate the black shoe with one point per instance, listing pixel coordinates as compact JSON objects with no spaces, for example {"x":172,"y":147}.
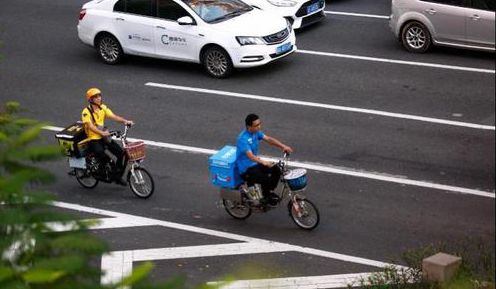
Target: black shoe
{"x":274,"y":196}
{"x":71,"y":172}
{"x":121,"y":182}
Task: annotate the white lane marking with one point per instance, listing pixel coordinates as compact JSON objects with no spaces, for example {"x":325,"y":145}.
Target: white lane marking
{"x":322,"y":105}
{"x":311,"y":282}
{"x":152,"y":222}
{"x":116,"y":265}
{"x":327,"y":168}
{"x":261,"y":242}
{"x":386,"y":178}
{"x":357,"y":14}
{"x":395,"y":61}
{"x":208,"y":251}
{"x":98,"y":224}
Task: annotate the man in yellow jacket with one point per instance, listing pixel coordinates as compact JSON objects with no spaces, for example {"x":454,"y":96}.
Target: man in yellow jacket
{"x":93,"y":117}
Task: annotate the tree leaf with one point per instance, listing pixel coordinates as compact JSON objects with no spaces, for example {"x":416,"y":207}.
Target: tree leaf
{"x":39,"y":153}
{"x":29,"y":135}
{"x":6,"y":273}
{"x":138,"y":274}
{"x":38,"y":276}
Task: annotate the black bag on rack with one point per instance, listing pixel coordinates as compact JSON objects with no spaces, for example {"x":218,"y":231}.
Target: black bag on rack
{"x":69,"y":138}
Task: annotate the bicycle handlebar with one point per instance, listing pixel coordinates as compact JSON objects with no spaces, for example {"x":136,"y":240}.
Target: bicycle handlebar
{"x":120,"y":134}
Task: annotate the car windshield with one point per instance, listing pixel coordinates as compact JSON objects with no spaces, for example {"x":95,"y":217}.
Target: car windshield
{"x":212,"y":11}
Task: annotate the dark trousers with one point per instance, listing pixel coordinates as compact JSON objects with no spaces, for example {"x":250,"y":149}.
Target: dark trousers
{"x":98,"y":148}
{"x":265,"y":176}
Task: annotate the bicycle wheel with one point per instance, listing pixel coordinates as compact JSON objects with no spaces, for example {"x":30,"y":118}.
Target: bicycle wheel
{"x":141,"y":183}
{"x":304,"y":213}
{"x":85,"y":179}
{"x":236,"y":210}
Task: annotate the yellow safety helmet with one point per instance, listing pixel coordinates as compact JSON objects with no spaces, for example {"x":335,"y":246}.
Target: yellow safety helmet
{"x":92,"y":92}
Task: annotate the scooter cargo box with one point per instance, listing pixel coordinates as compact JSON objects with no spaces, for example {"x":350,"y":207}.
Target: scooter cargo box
{"x":223,"y":170}
{"x":69,"y":137}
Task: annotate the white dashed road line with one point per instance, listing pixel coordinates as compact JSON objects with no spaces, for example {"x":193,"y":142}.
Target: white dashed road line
{"x":322,"y":105}
{"x":395,"y":61}
{"x":357,"y":14}
{"x":327,"y":169}
{"x":119,"y":264}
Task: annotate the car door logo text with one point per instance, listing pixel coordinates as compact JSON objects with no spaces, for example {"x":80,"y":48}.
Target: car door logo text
{"x":173,"y":40}
{"x":138,"y":37}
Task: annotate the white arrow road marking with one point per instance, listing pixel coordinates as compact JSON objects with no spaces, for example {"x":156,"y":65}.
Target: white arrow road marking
{"x":328,"y":169}
{"x":119,"y":264}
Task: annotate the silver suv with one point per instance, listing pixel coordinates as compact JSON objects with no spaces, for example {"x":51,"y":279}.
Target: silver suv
{"x":460,"y":23}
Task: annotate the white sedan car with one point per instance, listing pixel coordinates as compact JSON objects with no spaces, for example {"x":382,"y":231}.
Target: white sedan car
{"x":219,"y":34}
{"x":300,"y":13}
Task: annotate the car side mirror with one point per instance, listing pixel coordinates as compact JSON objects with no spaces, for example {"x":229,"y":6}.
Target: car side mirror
{"x":185,"y":20}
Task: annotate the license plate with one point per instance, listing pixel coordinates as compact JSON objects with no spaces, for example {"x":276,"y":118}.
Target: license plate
{"x":312,"y":8}
{"x":79,"y":163}
{"x":284,"y":48}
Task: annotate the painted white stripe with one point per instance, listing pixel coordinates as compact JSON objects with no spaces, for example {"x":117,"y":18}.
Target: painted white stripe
{"x":329,"y":169}
{"x":322,"y":105}
{"x":357,"y":14}
{"x":311,"y":282}
{"x":264,"y":244}
{"x":387,"y":178}
{"x":116,"y":266}
{"x":152,"y":222}
{"x":98,"y":224}
{"x":395,"y":61}
{"x":208,"y":251}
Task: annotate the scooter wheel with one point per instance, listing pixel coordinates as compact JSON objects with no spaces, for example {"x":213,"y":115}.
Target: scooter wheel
{"x":236,"y":210}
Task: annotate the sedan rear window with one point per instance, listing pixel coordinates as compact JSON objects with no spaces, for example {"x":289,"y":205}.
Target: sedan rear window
{"x":218,"y":10}
{"x":138,"y":7}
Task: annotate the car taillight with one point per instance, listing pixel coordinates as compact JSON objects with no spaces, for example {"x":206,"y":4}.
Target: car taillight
{"x":82,"y":13}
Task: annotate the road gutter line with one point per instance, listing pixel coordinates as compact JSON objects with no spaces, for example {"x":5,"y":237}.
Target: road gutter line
{"x":357,"y":14}
{"x":325,"y":168}
{"x":395,"y":61}
{"x":322,"y":105}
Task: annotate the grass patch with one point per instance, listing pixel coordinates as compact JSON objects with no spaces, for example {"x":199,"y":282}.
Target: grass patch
{"x":477,"y":270}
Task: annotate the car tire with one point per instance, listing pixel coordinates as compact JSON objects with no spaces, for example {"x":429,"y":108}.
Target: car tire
{"x":109,"y":49}
{"x":415,"y":37}
{"x":217,"y":62}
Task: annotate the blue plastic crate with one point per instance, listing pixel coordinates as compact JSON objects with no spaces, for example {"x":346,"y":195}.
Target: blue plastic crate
{"x":222,"y":168}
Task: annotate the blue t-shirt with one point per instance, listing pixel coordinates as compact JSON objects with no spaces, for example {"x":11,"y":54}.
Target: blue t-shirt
{"x":247,"y":142}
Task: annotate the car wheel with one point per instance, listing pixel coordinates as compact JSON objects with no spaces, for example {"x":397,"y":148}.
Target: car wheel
{"x":109,"y":49}
{"x":416,"y":37}
{"x":217,"y":62}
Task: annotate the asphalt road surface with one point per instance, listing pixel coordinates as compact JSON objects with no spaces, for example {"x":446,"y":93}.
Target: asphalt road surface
{"x":401,"y":145}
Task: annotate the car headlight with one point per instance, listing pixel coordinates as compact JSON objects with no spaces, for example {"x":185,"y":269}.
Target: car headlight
{"x":282,"y":3}
{"x":250,"y":40}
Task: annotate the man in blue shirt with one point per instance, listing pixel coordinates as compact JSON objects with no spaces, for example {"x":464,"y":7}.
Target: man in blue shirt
{"x":253,"y":169}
